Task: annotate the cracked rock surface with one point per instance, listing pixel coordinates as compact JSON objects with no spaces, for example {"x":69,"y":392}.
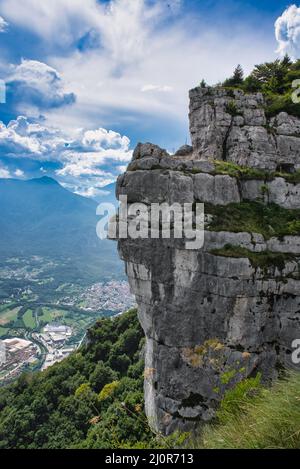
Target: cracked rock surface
{"x":210,"y":320}
{"x":234,"y":127}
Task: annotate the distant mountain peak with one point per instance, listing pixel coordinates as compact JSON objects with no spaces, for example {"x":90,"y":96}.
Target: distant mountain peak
{"x":45,"y":180}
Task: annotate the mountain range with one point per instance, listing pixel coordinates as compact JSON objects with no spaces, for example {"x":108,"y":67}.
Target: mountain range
{"x":40,"y":217}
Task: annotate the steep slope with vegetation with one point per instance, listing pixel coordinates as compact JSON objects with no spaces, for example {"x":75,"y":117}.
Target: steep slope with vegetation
{"x":93,"y":399}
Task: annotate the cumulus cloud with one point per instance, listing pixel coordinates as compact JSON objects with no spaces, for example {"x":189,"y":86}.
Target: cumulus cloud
{"x":102,"y":162}
{"x":287,"y":32}
{"x":83,"y":164}
{"x":4,"y":173}
{"x":34,"y":86}
{"x":19,"y":173}
{"x":128,"y":59}
{"x":22,"y":138}
{"x":84,"y":158}
{"x":26,"y":138}
{"x":3,"y":25}
{"x":103,"y":139}
{"x":146,"y":63}
{"x":129,"y":64}
{"x":126,"y":37}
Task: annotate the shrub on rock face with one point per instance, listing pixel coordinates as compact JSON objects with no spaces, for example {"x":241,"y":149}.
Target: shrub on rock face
{"x":231,"y":109}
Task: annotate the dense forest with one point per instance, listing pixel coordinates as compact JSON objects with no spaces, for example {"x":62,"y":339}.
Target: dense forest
{"x":93,"y":399}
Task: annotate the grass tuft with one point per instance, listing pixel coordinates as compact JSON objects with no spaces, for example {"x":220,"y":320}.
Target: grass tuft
{"x":251,"y":417}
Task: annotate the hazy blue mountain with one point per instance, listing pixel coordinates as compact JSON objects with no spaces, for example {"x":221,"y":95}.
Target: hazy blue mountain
{"x":40,"y":217}
{"x":108,"y":194}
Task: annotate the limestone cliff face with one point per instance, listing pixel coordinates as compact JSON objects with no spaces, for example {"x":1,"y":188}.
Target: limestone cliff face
{"x":212,"y":320}
{"x":236,"y":128}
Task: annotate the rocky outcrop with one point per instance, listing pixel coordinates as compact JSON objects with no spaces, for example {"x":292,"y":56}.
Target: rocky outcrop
{"x":141,"y":186}
{"x":233,"y":126}
{"x":211,"y":318}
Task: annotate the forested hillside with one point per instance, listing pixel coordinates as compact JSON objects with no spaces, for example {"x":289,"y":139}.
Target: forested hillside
{"x":93,"y":399}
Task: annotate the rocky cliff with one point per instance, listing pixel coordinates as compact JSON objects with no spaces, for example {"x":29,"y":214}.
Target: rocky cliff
{"x":215,"y":315}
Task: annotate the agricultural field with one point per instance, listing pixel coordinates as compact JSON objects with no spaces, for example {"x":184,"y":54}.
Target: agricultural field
{"x":35,"y":317}
{"x":51,"y":314}
{"x":8,"y":316}
{"x":29,"y":319}
{"x":35,"y":292}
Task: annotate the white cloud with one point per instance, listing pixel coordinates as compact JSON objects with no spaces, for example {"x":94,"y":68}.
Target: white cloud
{"x":160,"y":88}
{"x":89,"y":163}
{"x":146,"y":64}
{"x":58,"y":21}
{"x":87,"y":192}
{"x":83,"y":164}
{"x":21,"y":138}
{"x":90,"y":155}
{"x":93,"y":192}
{"x":101,"y":138}
{"x":41,"y":142}
{"x":36,"y":86}
{"x":122,"y":24}
{"x":35,"y":73}
{"x":4,"y":173}
{"x":122,"y":168}
{"x":150,"y":53}
{"x":19,"y":173}
{"x":3,"y":25}
{"x":287,"y":32}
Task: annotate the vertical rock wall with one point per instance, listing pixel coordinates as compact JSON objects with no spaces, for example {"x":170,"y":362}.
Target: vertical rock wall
{"x":210,"y":320}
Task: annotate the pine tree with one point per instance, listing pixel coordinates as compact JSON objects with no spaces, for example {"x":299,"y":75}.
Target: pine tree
{"x":238,"y":75}
{"x":236,"y":79}
{"x":286,"y":61}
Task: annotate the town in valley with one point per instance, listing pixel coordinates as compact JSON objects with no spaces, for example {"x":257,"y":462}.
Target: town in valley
{"x":44,"y":316}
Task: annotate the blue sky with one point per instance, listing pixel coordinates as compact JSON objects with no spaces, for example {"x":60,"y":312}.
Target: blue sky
{"x":86,"y":80}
